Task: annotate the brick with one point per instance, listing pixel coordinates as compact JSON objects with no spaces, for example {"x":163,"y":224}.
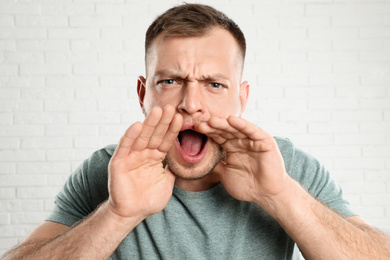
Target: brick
{"x":22,"y":81}
{"x":96,"y":45}
{"x":361,"y":19}
{"x":374,"y":32}
{"x":23,"y":33}
{"x":334,"y":56}
{"x":21,"y":155}
{"x":279,"y":9}
{"x":4,"y":218}
{"x":22,"y":180}
{"x":43,"y":167}
{"x":40,"y":118}
{"x":21,"y":130}
{"x":357,"y":115}
{"x":9,"y":69}
{"x":21,"y":205}
{"x":66,"y":155}
{"x":102,"y":93}
{"x":19,"y":8}
{"x":306,"y":22}
{"x":28,"y":217}
{"x":55,"y":8}
{"x":334,"y":80}
{"x":363,"y":163}
{"x":333,"y":103}
{"x":376,"y":199}
{"x":333,"y":127}
{"x":305,"y":115}
{"x":9,"y":143}
{"x":36,"y":192}
{"x":361,"y":92}
{"x":73,"y":81}
{"x":73,"y":33}
{"x":22,"y":57}
{"x":375,"y":127}
{"x":44,"y":69}
{"x":46,"y":142}
{"x":7,"y":168}
{"x":330,"y":9}
{"x":41,"y":20}
{"x":359,"y":44}
{"x":378,"y":175}
{"x":121,"y":9}
{"x":69,"y":105}
{"x":370,"y":212}
{"x":312,"y":68}
{"x":7,"y":45}
{"x":359,"y":139}
{"x":364,"y":187}
{"x":7,"y":193}
{"x":377,"y":8}
{"x":375,"y":103}
{"x":95,"y":142}
{"x":95,"y":21}
{"x":71,"y":130}
{"x":6,"y":118}
{"x":6,"y":21}
{"x":332,"y":33}
{"x":47,"y":93}
{"x":42,"y":45}
{"x":94,"y":118}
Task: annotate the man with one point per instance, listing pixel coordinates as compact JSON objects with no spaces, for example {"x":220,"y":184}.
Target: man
{"x":195,"y":180}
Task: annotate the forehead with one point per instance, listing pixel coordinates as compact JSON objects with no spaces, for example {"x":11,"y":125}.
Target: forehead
{"x":216,"y":45}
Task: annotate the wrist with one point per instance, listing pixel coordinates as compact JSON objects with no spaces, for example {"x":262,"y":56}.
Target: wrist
{"x":121,"y":222}
{"x":284,"y":204}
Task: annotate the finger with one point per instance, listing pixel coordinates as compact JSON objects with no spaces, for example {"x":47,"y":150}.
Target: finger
{"x":162,"y":127}
{"x":250,"y":130}
{"x":148,"y":128}
{"x":225,"y":129}
{"x":125,"y":144}
{"x":172,"y":133}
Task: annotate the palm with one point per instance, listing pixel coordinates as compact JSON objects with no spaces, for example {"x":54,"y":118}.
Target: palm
{"x":253,"y":165}
{"x":138,"y":181}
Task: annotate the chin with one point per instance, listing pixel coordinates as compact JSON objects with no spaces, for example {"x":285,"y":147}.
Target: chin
{"x":195,"y":171}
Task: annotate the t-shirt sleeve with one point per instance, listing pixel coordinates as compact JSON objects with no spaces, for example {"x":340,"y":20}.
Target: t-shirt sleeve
{"x":85,"y":189}
{"x":312,"y":175}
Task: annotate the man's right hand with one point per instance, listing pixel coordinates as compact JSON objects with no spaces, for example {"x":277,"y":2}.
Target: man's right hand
{"x":138,"y":183}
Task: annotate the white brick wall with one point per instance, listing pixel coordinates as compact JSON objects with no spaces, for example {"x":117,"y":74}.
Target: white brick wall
{"x":319,"y":73}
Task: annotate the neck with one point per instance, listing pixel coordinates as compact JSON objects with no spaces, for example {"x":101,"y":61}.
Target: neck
{"x":198,"y":185}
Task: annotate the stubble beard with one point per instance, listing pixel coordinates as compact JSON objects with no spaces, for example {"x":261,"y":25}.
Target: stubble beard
{"x":194,"y":172}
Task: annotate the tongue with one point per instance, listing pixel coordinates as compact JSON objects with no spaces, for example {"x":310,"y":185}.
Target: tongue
{"x":191,"y":142}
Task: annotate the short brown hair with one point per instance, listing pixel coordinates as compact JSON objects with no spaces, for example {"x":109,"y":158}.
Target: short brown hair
{"x":191,"y":20}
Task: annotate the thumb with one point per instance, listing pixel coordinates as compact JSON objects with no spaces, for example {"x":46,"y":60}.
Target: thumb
{"x":171,"y":177}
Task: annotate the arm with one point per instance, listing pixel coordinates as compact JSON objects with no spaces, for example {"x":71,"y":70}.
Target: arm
{"x":138,"y":187}
{"x":322,"y":233}
{"x":96,"y":237}
{"x":253,"y":170}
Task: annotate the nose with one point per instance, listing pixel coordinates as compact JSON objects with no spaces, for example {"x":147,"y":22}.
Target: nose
{"x":191,"y":101}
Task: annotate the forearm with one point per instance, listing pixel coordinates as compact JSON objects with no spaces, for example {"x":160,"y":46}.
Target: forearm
{"x":96,"y":237}
{"x":322,"y":233}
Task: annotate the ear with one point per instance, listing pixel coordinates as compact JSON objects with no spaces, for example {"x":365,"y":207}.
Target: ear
{"x":141,"y":90}
{"x":244,"y":94}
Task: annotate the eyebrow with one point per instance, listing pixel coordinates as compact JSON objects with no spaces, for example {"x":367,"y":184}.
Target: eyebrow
{"x":177,"y":74}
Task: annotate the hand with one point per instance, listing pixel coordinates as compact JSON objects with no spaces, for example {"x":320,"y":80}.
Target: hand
{"x":253,"y":168}
{"x":138,"y":183}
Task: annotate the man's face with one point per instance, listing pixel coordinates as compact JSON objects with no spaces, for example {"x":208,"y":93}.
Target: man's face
{"x":200,"y":76}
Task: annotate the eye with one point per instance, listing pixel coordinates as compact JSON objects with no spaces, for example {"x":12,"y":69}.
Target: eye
{"x":215,"y":85}
{"x":168,"y":81}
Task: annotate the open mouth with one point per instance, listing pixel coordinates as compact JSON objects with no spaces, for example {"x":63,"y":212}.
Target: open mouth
{"x":192,"y":142}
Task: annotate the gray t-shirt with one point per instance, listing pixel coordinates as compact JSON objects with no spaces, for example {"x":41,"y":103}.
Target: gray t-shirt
{"x":199,"y":225}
